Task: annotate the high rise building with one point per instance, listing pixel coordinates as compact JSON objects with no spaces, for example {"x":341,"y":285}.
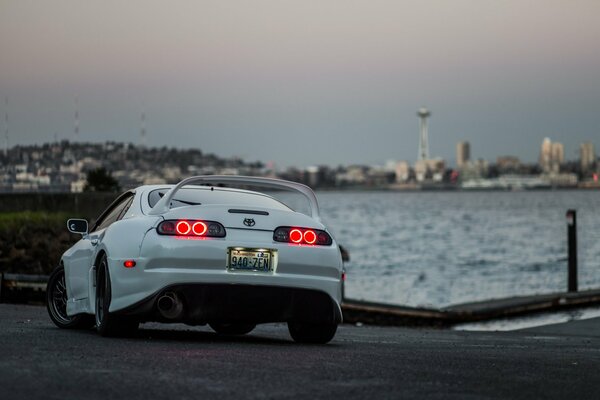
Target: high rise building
{"x":558,"y":156}
{"x":546,"y":154}
{"x":423,"y":114}
{"x":552,"y":156}
{"x":587,"y":156}
{"x":463,"y":153}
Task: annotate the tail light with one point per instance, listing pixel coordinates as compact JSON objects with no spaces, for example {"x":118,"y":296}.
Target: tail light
{"x":289,"y":234}
{"x":190,"y":228}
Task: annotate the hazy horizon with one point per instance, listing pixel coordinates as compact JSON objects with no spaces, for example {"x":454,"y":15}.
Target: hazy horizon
{"x":299,"y":83}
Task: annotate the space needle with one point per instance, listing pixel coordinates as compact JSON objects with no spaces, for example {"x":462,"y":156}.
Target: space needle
{"x":423,"y":114}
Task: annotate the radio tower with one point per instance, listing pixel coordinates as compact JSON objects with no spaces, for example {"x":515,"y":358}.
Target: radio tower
{"x":423,"y":114}
{"x":143,"y":129}
{"x":6,"y":126}
{"x":76,"y":138}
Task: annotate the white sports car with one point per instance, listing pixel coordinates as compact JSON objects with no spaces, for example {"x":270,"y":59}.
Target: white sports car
{"x":201,"y":253}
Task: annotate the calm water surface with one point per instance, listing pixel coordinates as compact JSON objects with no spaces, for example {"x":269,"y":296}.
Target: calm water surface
{"x":442,"y":248}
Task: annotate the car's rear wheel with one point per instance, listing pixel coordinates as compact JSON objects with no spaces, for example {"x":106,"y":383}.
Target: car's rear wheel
{"x":311,"y":333}
{"x":109,"y":324}
{"x":56,"y":303}
{"x":223,"y":328}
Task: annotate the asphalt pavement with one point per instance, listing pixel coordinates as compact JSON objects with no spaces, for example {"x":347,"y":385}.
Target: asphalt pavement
{"x":40,"y":361}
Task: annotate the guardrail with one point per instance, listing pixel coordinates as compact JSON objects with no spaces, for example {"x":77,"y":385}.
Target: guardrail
{"x":22,"y":288}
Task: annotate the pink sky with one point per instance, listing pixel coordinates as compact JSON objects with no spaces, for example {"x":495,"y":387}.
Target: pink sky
{"x":267,"y":79}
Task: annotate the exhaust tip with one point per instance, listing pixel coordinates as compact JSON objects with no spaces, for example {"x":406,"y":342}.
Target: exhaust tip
{"x":166,"y":303}
{"x":170,"y":305}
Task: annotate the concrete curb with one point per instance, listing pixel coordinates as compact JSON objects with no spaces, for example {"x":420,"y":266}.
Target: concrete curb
{"x":22,"y":288}
{"x":386,"y":314}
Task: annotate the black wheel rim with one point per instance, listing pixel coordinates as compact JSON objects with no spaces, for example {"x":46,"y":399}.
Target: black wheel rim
{"x":58,"y":302}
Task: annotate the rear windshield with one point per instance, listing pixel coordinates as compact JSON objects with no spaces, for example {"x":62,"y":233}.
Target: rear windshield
{"x":204,"y":195}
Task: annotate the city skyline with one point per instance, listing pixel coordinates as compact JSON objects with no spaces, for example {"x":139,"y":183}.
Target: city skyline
{"x":300,"y":84}
{"x":64,"y":167}
{"x":551,"y":155}
{"x":140,"y":137}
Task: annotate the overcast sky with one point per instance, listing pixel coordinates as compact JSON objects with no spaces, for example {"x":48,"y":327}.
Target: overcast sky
{"x":305,"y":82}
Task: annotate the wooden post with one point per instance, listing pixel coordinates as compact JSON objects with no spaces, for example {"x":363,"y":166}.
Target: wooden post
{"x":572,"y":238}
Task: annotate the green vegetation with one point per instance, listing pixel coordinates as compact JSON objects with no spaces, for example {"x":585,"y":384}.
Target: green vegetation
{"x":16,"y":219}
{"x":31,"y":242}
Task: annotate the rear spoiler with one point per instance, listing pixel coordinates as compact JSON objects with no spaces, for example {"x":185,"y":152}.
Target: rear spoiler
{"x":164,"y":203}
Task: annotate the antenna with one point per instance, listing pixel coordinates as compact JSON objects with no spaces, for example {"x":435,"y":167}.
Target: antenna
{"x":6,"y":127}
{"x":143,"y":128}
{"x":76,"y":138}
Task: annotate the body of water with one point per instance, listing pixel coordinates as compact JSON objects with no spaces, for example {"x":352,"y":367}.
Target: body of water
{"x":442,"y":248}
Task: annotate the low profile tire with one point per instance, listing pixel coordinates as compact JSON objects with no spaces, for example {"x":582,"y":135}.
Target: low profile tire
{"x":312,"y":333}
{"x":108,"y":324}
{"x":56,"y":303}
{"x":231,"y":329}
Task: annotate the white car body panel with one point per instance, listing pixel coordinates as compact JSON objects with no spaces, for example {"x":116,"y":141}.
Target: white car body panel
{"x":163,"y":261}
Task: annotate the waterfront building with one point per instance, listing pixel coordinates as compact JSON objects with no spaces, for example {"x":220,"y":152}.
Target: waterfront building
{"x":312,"y":176}
{"x":561,"y":179}
{"x":546,"y":154}
{"x":423,"y":113}
{"x":463,"y":153}
{"x":353,"y":175}
{"x":475,"y":169}
{"x":552,"y":156}
{"x":587,"y":156}
{"x":402,"y":171}
{"x":558,"y":156}
{"x":508,"y":164}
{"x":379,"y":177}
{"x":432,"y":169}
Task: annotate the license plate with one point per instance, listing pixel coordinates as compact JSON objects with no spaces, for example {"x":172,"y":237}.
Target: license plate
{"x":260,"y":260}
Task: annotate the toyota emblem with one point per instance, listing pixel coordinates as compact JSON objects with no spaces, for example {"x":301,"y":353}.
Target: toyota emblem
{"x":249,"y":222}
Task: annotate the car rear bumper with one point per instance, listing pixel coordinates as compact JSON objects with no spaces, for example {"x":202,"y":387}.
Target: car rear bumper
{"x":166,"y":261}
{"x":203,"y":303}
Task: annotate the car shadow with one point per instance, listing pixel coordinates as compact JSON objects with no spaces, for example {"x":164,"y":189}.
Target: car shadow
{"x":192,"y":335}
{"x":206,"y":337}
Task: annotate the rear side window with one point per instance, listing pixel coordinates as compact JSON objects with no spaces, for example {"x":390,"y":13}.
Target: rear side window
{"x":115,"y":213}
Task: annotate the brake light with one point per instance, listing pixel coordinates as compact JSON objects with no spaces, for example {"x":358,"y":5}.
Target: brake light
{"x":199,"y":228}
{"x":310,"y":237}
{"x":183,"y":228}
{"x":191,"y":228}
{"x":288,"y":234}
{"x":296,"y":235}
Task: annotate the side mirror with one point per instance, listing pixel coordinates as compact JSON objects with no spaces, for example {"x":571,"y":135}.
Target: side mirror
{"x":77,"y":226}
{"x":345,"y":254}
